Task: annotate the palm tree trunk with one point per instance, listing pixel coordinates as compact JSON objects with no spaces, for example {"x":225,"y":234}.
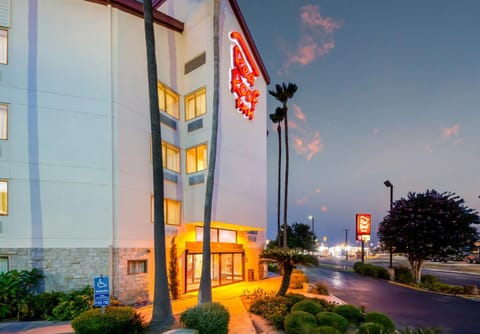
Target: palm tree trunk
{"x":279,"y":131}
{"x":287,"y":274}
{"x":205,"y":292}
{"x":287,"y":161}
{"x":162,"y":316}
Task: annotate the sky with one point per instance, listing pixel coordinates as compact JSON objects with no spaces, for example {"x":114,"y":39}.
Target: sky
{"x":387,"y":89}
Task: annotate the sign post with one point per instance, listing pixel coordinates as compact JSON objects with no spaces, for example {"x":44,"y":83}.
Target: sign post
{"x":364,"y":226}
{"x":101,"y":292}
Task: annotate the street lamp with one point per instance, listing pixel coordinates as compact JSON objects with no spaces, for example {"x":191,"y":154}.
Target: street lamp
{"x":389,"y":184}
{"x":312,"y":218}
{"x":346,"y":244}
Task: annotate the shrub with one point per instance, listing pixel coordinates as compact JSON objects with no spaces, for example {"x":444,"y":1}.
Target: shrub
{"x":429,"y":279}
{"x":332,"y":319}
{"x":299,"y":322}
{"x":208,"y":318}
{"x":40,"y":307}
{"x":273,"y":267}
{"x":325,"y":330}
{"x":320,"y":288}
{"x":72,"y":304}
{"x":404,"y":275}
{"x":115,"y":320}
{"x":295,"y":298}
{"x":381,"y":319}
{"x":367,"y":269}
{"x":349,"y":312}
{"x":409,"y":330}
{"x":297,"y":279}
{"x":308,"y":306}
{"x":370,"y":328}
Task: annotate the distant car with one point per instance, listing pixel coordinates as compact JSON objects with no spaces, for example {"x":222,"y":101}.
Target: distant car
{"x":472,"y":258}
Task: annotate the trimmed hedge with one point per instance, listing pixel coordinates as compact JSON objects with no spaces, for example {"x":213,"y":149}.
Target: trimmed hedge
{"x":115,"y":320}
{"x":370,"y":328}
{"x":208,"y":318}
{"x":333,"y":320}
{"x":299,"y":322}
{"x":381,"y":319}
{"x":349,"y":312}
{"x":367,"y":269}
{"x":308,"y":306}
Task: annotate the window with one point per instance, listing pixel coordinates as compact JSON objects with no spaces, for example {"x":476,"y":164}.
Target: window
{"x":137,"y":267}
{"x":171,"y":157}
{"x":195,"y":104}
{"x":171,"y":210}
{"x":3,"y":264}
{"x":3,"y":198}
{"x":3,"y":46}
{"x":3,"y":121}
{"x":217,"y":235}
{"x":196,"y":158}
{"x":168,"y":101}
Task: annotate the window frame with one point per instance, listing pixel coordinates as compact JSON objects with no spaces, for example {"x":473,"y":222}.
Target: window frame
{"x":167,"y":146}
{"x":193,"y":95}
{"x":6,"y":49}
{"x":2,"y":104}
{"x":165,"y":208}
{"x":7,"y":209}
{"x":168,"y":90}
{"x":135,"y":264}
{"x":196,"y":147}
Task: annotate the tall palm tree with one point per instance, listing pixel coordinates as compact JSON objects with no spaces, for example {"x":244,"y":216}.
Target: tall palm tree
{"x":205,"y":289}
{"x":277,"y":118}
{"x":287,"y":260}
{"x":162,"y":316}
{"x":283,"y":93}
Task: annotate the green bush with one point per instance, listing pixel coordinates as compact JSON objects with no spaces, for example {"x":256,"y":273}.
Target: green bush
{"x":273,"y":267}
{"x":16,"y":287}
{"x":325,"y":330}
{"x":295,"y":298}
{"x":320,"y":288}
{"x":367,"y":269}
{"x":349,"y":312}
{"x":332,"y":319}
{"x":208,"y":318}
{"x":115,"y":320}
{"x":272,"y":308}
{"x":381,"y":319}
{"x":429,"y":279}
{"x":404,"y":275}
{"x":444,"y":288}
{"x":72,"y":304}
{"x":370,"y":328}
{"x":299,"y":322}
{"x":40,"y":307}
{"x":308,"y":306}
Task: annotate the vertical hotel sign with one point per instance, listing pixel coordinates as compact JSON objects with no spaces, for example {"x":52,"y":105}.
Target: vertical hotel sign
{"x":243,"y":74}
{"x":364,"y":226}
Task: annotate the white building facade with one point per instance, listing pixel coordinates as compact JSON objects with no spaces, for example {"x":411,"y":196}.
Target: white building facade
{"x":75,"y":160}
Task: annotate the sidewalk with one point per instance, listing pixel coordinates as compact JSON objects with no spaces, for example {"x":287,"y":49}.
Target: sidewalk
{"x":240,"y":322}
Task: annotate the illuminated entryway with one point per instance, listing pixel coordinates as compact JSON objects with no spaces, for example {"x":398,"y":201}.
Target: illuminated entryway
{"x":226,"y":267}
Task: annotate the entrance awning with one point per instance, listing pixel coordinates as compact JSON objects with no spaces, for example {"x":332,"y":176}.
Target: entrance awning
{"x":215,"y":247}
{"x":228,"y":226}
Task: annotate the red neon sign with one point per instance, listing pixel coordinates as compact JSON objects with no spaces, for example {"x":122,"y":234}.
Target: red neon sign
{"x":242,"y":77}
{"x":364,"y":226}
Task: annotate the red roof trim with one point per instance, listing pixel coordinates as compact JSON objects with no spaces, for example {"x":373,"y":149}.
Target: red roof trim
{"x":157,"y":3}
{"x":136,"y":8}
{"x":248,"y":37}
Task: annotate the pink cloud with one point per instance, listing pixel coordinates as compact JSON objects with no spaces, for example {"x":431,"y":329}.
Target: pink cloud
{"x":302,"y":201}
{"x":317,"y":39}
{"x":317,"y":190}
{"x":324,"y":208}
{"x":310,"y":147}
{"x":447,"y":133}
{"x":298,"y":112}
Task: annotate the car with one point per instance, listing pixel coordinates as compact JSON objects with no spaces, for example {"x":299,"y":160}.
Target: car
{"x":472,"y":258}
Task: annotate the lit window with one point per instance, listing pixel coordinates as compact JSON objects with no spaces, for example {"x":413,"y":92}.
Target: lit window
{"x":3,"y":264}
{"x":168,"y":101}
{"x":137,"y":267}
{"x":195,"y":104}
{"x":196,"y":158}
{"x":3,"y":198}
{"x":3,"y":121}
{"x":3,"y":46}
{"x":171,"y":211}
{"x":217,"y":235}
{"x":171,"y":157}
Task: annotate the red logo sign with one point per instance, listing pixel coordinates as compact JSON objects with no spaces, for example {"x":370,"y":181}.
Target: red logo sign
{"x":364,"y":225}
{"x":242,"y":77}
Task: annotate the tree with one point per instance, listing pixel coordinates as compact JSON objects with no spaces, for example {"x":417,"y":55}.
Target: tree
{"x":162,"y":316}
{"x":283,"y":93}
{"x":173,"y":280}
{"x":205,"y":290}
{"x":287,"y":260}
{"x":299,"y":236}
{"x":429,"y":224}
{"x":277,"y":118}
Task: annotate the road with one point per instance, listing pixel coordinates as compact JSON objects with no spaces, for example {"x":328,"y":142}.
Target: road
{"x":406,"y":307}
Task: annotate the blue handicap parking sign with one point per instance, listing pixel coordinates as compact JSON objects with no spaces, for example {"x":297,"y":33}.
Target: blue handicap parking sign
{"x":101,"y":291}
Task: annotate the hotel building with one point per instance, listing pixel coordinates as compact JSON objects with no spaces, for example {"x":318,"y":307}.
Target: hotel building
{"x":75,"y":145}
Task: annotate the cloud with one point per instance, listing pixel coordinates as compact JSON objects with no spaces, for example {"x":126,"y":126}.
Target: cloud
{"x":317,"y":37}
{"x":324,"y":208}
{"x":452,"y":131}
{"x":308,"y":146}
{"x":302,"y":201}
{"x":317,"y":190}
{"x":298,"y":112}
{"x":375,"y":131}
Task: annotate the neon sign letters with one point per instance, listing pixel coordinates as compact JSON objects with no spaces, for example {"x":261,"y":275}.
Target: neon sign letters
{"x":364,"y":225}
{"x":242,"y":77}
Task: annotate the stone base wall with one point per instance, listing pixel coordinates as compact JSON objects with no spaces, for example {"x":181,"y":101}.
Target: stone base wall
{"x":65,"y":269}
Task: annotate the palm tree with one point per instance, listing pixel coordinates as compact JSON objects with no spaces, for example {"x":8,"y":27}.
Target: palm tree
{"x":287,"y":260}
{"x":277,"y":118}
{"x":162,"y":316}
{"x":283,"y":93}
{"x":205,"y":289}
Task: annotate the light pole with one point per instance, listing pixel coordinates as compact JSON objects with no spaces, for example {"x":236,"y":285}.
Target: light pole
{"x":388,"y":184}
{"x":312,"y":218}
{"x":346,"y":244}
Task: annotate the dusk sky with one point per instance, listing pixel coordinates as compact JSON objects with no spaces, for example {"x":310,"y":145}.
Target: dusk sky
{"x":387,"y":89}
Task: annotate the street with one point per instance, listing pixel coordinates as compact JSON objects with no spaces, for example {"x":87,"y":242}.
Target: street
{"x":406,"y":307}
